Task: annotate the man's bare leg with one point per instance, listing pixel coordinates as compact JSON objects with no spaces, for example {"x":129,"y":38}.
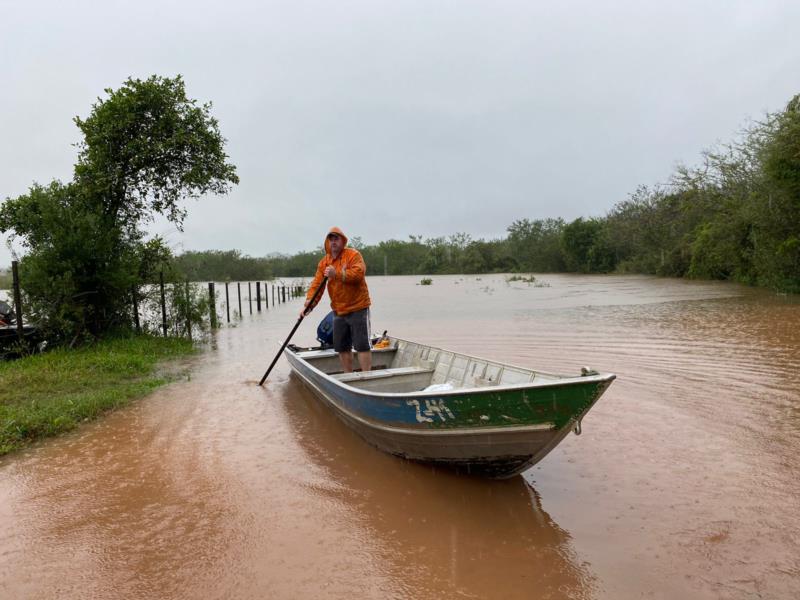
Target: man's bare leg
{"x":365,"y":360}
{"x":347,"y":360}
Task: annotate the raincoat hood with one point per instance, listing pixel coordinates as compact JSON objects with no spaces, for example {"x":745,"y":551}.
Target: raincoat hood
{"x":338,"y":232}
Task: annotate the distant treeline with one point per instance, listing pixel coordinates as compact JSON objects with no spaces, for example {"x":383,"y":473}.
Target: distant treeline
{"x":735,"y":217}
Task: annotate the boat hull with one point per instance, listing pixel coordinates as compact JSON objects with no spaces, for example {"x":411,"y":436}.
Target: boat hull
{"x":494,"y":432}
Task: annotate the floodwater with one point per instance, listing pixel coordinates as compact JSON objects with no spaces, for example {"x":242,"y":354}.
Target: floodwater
{"x":684,"y":484}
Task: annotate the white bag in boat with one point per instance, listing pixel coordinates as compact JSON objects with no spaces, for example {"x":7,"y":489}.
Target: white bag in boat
{"x":439,"y":387}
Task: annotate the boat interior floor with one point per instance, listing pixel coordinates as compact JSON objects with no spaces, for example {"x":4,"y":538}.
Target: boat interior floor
{"x":410,"y":367}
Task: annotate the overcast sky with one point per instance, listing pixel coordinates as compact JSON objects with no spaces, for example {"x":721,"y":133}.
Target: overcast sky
{"x":404,"y":117}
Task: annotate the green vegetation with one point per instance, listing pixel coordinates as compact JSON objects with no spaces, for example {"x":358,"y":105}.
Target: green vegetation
{"x":529,"y":279}
{"x":46,"y":394}
{"x":222,"y":265}
{"x":735,"y":217}
{"x":146,"y":147}
{"x":426,"y":281}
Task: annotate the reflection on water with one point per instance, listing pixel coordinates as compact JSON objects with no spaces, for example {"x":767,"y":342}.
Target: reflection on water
{"x":683,"y":484}
{"x":442,"y":534}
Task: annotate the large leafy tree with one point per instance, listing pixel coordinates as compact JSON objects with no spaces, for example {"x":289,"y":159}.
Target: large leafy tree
{"x":585,"y":247}
{"x":537,"y":244}
{"x":146,"y":149}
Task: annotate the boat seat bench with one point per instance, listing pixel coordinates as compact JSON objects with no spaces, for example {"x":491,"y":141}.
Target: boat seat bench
{"x":380,"y":374}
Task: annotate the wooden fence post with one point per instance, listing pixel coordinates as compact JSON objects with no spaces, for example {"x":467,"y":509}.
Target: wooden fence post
{"x":212,"y":306}
{"x":227,"y":302}
{"x":17,"y":299}
{"x":258,"y":296}
{"x":163,"y":303}
{"x":239,"y":291}
{"x":136,"y":323}
{"x":250,"y":297}
{"x":188,"y":311}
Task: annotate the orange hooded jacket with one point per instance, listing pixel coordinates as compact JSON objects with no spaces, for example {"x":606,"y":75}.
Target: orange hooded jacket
{"x":348,"y":288}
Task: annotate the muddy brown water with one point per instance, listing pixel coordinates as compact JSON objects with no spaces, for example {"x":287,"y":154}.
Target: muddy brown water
{"x":684,"y":484}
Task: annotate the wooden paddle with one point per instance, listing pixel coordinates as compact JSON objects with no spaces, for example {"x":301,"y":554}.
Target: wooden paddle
{"x":296,"y":325}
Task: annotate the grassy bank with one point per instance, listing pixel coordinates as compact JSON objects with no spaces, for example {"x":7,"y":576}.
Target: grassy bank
{"x":49,"y":393}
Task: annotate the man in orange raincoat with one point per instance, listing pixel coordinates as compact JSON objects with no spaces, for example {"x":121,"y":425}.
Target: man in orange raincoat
{"x":345,"y":272}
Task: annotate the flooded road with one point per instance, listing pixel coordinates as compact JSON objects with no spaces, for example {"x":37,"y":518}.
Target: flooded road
{"x":684,"y":484}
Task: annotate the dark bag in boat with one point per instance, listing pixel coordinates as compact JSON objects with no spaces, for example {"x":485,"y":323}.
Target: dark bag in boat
{"x":325,"y":331}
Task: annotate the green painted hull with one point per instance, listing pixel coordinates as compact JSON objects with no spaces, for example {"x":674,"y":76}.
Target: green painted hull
{"x":556,"y":406}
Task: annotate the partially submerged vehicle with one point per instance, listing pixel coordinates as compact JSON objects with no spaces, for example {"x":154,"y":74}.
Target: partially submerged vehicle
{"x":10,"y":333}
{"x":445,"y":408}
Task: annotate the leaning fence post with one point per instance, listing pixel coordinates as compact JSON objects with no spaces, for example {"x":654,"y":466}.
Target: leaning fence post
{"x":239,"y":291}
{"x":174,"y":309}
{"x":136,"y":309}
{"x":188,"y":311}
{"x":227,"y":302}
{"x":163,"y":303}
{"x":212,"y":305}
{"x":17,"y":299}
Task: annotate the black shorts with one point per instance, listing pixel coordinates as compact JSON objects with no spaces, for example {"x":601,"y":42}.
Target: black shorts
{"x":351,"y":331}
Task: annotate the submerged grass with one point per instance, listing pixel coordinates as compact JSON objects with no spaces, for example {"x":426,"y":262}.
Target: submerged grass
{"x":46,"y":394}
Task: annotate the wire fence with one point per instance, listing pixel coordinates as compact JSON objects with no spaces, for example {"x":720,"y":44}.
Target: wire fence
{"x":181,"y":309}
